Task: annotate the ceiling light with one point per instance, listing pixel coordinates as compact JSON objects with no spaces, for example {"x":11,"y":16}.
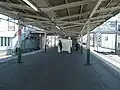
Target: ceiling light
{"x":31,"y":5}
{"x":58,"y":27}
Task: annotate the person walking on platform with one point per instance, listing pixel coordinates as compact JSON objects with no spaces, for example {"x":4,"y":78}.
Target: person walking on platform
{"x":77,"y":47}
{"x":60,"y":45}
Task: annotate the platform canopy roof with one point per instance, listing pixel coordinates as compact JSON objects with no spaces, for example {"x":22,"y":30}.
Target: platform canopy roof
{"x":71,"y":16}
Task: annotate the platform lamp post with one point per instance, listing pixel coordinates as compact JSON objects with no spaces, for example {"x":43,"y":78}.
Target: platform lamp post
{"x":88,"y":44}
{"x":19,"y":38}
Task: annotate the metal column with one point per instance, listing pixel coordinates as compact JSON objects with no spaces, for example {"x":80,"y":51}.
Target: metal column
{"x":93,"y":39}
{"x":88,"y":44}
{"x":51,"y":40}
{"x":81,"y":42}
{"x":19,"y":39}
{"x":116,"y":39}
{"x":45,"y":41}
{"x":55,"y":41}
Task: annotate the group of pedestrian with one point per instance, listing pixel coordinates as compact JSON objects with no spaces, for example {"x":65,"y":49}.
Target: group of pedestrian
{"x":77,"y":46}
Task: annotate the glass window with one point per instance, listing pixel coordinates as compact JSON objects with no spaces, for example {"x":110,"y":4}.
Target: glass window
{"x":5,"y":41}
{"x":16,"y":27}
{"x":3,"y":25}
{"x":106,"y":38}
{"x":8,"y":41}
{"x":11,"y":26}
{"x":119,"y":45}
{"x":118,"y":27}
{"x":1,"y":41}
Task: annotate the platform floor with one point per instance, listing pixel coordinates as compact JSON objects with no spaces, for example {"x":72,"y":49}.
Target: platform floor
{"x":53,"y":71}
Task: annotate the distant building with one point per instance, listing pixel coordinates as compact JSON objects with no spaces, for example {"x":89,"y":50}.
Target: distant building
{"x":30,"y":36}
{"x":105,"y":35}
{"x":8,"y":29}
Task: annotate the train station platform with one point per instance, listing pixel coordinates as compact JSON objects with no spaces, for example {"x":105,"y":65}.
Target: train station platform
{"x":53,"y":71}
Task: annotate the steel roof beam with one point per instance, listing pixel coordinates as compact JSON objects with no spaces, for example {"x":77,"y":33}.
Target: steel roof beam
{"x":28,"y":8}
{"x":97,"y":11}
{"x":16,"y":6}
{"x":107,"y":9}
{"x":93,"y":18}
{"x":92,"y":13}
{"x":68,"y":10}
{"x":69,"y":5}
{"x":76,"y":15}
{"x":5,"y":12}
{"x":102,"y":16}
{"x":70,"y":26}
{"x":79,"y":25}
{"x":66,"y":23}
{"x":33,"y":16}
{"x":59,"y":7}
{"x":81,"y":8}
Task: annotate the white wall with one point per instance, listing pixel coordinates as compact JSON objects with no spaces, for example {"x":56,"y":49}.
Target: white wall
{"x":51,"y":40}
{"x":110,"y":43}
{"x":85,"y":39}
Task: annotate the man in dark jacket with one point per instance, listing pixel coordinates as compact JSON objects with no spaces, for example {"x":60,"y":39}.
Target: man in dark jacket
{"x":77,"y":47}
{"x":60,"y":45}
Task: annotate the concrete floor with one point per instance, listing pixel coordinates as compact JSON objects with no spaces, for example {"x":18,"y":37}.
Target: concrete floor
{"x":51,"y":71}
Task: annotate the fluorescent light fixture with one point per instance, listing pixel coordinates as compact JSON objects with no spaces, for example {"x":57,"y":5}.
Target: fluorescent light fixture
{"x":58,"y":27}
{"x":31,"y":5}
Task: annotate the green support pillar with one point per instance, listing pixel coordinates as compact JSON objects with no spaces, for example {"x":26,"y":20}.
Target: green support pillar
{"x":45,"y":42}
{"x":51,"y":41}
{"x":116,"y":38}
{"x":55,"y":41}
{"x":88,"y":44}
{"x":88,"y":57}
{"x":45,"y":48}
{"x":81,"y":49}
{"x":19,"y":40}
{"x":19,"y":55}
{"x":93,"y":40}
{"x":81,"y":42}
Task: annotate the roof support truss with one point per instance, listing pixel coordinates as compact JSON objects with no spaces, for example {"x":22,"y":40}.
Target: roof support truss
{"x":92,"y":13}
